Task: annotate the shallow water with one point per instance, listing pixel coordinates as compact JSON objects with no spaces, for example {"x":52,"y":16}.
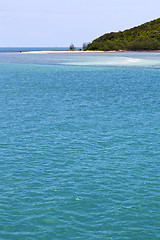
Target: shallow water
{"x":79,"y":147}
{"x":128,"y":59}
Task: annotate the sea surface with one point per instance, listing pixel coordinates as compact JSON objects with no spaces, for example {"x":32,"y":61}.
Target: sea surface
{"x":26,"y":49}
{"x":79,"y":146}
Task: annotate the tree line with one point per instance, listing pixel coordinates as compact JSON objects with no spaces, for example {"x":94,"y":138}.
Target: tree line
{"x":84,"y":47}
{"x":144,"y":37}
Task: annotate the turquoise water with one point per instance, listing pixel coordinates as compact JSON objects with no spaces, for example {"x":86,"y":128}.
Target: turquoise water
{"x":26,"y":49}
{"x":80,"y":147}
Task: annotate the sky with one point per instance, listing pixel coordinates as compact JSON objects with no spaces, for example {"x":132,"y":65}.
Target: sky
{"x":58,"y":23}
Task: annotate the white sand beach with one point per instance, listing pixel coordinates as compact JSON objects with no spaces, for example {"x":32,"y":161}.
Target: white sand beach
{"x":45,"y":52}
{"x":81,"y":51}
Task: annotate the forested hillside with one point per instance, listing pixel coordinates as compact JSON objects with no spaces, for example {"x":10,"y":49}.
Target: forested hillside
{"x":143,"y":37}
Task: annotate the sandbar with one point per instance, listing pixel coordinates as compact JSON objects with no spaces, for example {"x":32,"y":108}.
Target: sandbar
{"x":81,"y":51}
{"x":45,"y":52}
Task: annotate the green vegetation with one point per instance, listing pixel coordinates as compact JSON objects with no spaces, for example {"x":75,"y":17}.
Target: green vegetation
{"x":143,"y":37}
{"x":84,"y":46}
{"x":72,"y":47}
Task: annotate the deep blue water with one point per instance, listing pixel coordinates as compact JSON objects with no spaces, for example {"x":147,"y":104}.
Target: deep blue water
{"x":80,"y":150}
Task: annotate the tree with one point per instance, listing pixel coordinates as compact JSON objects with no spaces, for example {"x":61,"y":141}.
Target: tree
{"x":72,"y":47}
{"x":84,"y":46}
{"x":144,"y":37}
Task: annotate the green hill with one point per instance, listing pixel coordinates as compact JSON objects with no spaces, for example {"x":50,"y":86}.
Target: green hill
{"x":143,"y":37}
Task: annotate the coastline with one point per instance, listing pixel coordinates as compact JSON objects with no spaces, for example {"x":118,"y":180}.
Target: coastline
{"x":58,"y":51}
{"x":88,"y":51}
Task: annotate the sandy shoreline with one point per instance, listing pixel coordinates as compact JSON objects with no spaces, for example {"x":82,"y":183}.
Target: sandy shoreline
{"x":44,"y":52}
{"x":120,"y":51}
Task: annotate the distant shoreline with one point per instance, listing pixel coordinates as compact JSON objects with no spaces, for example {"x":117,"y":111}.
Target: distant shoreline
{"x":59,"y":51}
{"x":88,"y":51}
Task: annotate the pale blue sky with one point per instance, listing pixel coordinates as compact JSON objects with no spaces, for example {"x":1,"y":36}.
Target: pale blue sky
{"x":55,"y":23}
